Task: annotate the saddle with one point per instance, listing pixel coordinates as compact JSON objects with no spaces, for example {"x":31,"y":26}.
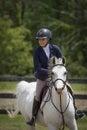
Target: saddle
{"x":45,"y":88}
{"x":69,"y":89}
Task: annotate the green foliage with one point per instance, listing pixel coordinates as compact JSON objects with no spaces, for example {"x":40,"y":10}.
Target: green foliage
{"x":15,"y":50}
{"x":21,"y":19}
{"x":76,"y":70}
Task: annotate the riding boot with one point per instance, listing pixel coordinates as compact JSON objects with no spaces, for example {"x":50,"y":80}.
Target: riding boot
{"x":36,"y":106}
{"x":78,"y":114}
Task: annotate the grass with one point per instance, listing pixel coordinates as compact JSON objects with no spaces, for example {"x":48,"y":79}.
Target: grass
{"x":7,"y":123}
{"x":18,"y":123}
{"x":81,"y":88}
{"x":10,"y":86}
{"x":6,"y":86}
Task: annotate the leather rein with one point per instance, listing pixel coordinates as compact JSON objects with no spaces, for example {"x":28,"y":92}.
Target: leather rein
{"x":59,"y":110}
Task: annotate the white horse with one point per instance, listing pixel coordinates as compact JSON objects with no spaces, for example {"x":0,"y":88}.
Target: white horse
{"x":57,"y":110}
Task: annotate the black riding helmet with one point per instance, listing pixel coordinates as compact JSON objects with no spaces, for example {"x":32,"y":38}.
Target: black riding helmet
{"x":44,"y":33}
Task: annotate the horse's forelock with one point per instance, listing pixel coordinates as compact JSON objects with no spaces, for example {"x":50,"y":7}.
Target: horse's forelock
{"x":59,"y":61}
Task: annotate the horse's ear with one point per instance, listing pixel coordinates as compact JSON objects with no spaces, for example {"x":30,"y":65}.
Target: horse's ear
{"x":64,"y":60}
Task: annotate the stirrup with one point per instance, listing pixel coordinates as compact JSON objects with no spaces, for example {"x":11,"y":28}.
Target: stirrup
{"x":31,"y":122}
{"x":80,"y":115}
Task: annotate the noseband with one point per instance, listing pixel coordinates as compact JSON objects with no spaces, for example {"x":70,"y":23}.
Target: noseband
{"x":64,"y":82}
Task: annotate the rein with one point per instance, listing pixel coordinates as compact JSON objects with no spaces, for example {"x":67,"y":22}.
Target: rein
{"x":60,"y":110}
{"x":57,"y":65}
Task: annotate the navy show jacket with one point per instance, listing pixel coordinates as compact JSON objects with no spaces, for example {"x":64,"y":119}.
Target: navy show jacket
{"x":41,"y":60}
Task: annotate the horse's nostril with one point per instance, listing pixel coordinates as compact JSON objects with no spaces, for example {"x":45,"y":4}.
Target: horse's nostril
{"x":59,"y":91}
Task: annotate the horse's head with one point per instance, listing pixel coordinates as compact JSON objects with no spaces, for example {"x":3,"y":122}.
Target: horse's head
{"x":58,"y":73}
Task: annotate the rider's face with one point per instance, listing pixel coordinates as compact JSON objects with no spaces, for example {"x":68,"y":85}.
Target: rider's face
{"x":43,"y":42}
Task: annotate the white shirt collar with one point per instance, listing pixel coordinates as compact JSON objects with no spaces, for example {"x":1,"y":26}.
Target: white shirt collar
{"x":47,"y":50}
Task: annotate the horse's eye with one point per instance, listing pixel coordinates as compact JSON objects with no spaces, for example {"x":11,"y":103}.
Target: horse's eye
{"x":52,"y":73}
{"x":65,"y":73}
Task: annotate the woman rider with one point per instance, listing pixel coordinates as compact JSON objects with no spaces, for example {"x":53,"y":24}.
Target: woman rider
{"x":42,"y":53}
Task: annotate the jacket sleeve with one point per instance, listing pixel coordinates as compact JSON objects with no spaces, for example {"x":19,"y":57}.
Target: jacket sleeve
{"x":58,"y":51}
{"x":37,"y":66}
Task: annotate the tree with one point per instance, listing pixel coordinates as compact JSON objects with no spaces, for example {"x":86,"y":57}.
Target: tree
{"x":15,"y":50}
{"x":66,"y":19}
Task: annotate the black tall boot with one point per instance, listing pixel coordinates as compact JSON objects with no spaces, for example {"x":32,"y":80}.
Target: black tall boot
{"x":78,"y":114}
{"x":36,"y":106}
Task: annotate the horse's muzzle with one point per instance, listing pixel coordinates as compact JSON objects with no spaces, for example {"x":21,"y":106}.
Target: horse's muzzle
{"x":59,"y":90}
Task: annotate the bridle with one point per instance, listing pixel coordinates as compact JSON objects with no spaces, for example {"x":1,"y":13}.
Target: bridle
{"x":53,"y":82}
{"x":64,"y":82}
{"x":59,"y":110}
